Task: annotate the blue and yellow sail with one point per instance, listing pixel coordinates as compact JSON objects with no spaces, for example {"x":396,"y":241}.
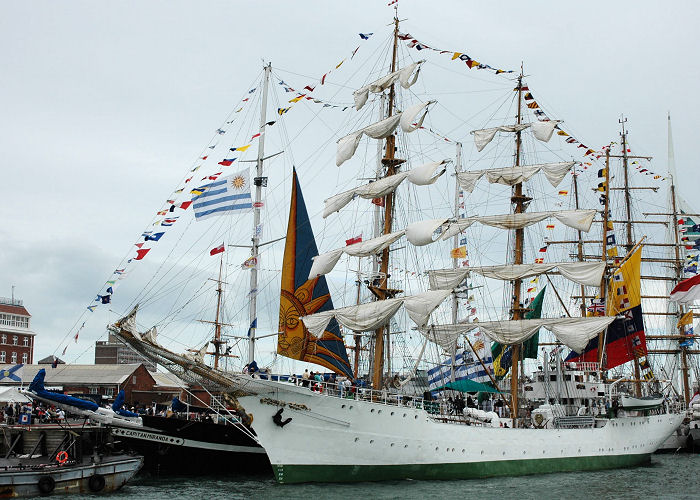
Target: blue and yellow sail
{"x":302,"y":296}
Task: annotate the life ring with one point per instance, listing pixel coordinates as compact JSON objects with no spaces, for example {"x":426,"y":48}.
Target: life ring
{"x":96,"y":483}
{"x":539,"y":418}
{"x":46,"y":485}
{"x":62,"y":457}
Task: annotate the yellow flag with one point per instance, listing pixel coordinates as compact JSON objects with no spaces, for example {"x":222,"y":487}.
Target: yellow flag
{"x":686,"y":319}
{"x":456,"y":55}
{"x":561,"y":132}
{"x":459,"y":252}
{"x":243,"y":148}
{"x":612,"y":252}
{"x":610,"y":226}
{"x":340,"y":64}
{"x":624,"y":287}
{"x":297,"y":99}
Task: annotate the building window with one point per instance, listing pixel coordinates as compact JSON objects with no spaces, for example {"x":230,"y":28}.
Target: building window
{"x":25,"y":341}
{"x":109,"y":391}
{"x":93,"y":390}
{"x":3,"y":357}
{"x":25,"y":357}
{"x":14,"y":357}
{"x":14,"y":340}
{"x":13,"y":320}
{"x":4,"y":338}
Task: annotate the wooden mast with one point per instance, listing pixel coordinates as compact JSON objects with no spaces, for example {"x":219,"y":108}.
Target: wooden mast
{"x":517,"y":310}
{"x":580,"y":246}
{"x":604,"y":255}
{"x":217,"y":324}
{"x":382,"y":292}
{"x":678,"y":267}
{"x":629,"y":243}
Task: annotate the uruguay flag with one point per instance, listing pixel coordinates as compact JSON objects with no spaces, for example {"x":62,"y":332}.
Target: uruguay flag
{"x":222,"y":196}
{"x":13,"y":373}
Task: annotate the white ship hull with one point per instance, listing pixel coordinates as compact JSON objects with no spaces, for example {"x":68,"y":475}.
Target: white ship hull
{"x":334,"y":439}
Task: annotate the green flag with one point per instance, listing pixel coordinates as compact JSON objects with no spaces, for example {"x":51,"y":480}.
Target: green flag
{"x":502,"y":355}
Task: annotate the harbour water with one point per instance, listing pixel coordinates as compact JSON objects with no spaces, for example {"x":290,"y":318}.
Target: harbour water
{"x":668,"y":476}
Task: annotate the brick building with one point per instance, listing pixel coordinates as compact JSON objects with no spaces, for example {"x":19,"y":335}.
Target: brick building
{"x":139,"y":385}
{"x":16,"y":337}
{"x":113,"y":352}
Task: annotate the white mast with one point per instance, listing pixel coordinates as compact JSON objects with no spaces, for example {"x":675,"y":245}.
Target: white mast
{"x":259,"y":182}
{"x":455,"y":261}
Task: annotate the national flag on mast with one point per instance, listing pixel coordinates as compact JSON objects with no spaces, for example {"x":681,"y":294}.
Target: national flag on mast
{"x":216,"y":250}
{"x":687,"y":291}
{"x":352,"y":241}
{"x":227,"y":194}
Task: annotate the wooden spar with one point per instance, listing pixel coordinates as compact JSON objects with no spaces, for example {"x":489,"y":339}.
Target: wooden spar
{"x":580,"y":246}
{"x":382,"y":292}
{"x":519,"y":201}
{"x":558,"y":296}
{"x":455,"y":261}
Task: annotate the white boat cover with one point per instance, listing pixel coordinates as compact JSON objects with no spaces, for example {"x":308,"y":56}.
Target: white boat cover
{"x":584,"y":273}
{"x":554,"y":172}
{"x":324,"y":263}
{"x":572,"y":332}
{"x":380,"y":85}
{"x":420,"y":176}
{"x":408,"y":120}
{"x":541,"y":130}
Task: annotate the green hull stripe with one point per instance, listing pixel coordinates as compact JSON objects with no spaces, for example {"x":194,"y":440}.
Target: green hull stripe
{"x":348,"y":473}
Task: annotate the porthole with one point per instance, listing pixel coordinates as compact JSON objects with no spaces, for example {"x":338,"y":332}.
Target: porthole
{"x":372,"y":410}
{"x":379,"y":411}
{"x":415,"y":416}
{"x":482,"y":452}
{"x":371,"y":441}
{"x":405,"y":446}
{"x":462,"y":450}
{"x":357,"y":439}
{"x":342,"y":406}
{"x":391,"y":445}
{"x":392,"y":413}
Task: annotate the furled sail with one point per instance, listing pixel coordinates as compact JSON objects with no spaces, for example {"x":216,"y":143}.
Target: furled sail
{"x":325,"y":262}
{"x":572,"y":332}
{"x":554,"y":172}
{"x":425,"y":232}
{"x":584,"y":273}
{"x":301,"y":296}
{"x":541,"y":130}
{"x":408,"y":121}
{"x":370,"y":316}
{"x":348,"y":145}
{"x":380,"y":85}
{"x":420,"y":176}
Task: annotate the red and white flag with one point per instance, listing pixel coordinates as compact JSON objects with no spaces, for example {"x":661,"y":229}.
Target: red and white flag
{"x":216,"y":250}
{"x":352,"y":241}
{"x":687,"y":291}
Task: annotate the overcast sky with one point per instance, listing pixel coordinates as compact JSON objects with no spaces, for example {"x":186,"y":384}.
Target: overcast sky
{"x":105,"y":105}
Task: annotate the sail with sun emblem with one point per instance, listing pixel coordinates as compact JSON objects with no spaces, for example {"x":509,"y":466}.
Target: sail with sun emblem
{"x":301,"y":296}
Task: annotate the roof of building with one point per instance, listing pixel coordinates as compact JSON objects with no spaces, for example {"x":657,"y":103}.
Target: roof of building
{"x":12,"y":309}
{"x":76,"y":374}
{"x":165,"y":379}
{"x":48,"y":360}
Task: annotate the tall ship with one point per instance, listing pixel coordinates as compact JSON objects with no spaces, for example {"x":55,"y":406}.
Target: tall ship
{"x":351,"y":427}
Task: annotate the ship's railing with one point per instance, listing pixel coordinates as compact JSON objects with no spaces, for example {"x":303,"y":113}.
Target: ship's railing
{"x":574,"y":422}
{"x":584,"y":366}
{"x":344,"y":391}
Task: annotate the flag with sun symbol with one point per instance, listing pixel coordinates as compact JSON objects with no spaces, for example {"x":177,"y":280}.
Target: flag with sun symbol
{"x":225,"y":195}
{"x":302,"y":296}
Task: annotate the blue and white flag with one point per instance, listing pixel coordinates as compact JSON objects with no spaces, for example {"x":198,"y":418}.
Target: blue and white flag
{"x":222,"y":196}
{"x":13,"y":373}
{"x":467,"y":365}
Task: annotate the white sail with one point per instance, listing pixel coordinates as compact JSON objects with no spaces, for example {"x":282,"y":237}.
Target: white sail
{"x":576,"y":219}
{"x":380,"y":130}
{"x":380,"y":85}
{"x":584,"y":273}
{"x":367,"y":317}
{"x":324,"y":263}
{"x":423,"y":232}
{"x":541,"y":130}
{"x":572,"y":332}
{"x":420,"y":176}
{"x":554,"y":172}
{"x":408,"y":117}
{"x":360,"y":318}
{"x":420,"y":306}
